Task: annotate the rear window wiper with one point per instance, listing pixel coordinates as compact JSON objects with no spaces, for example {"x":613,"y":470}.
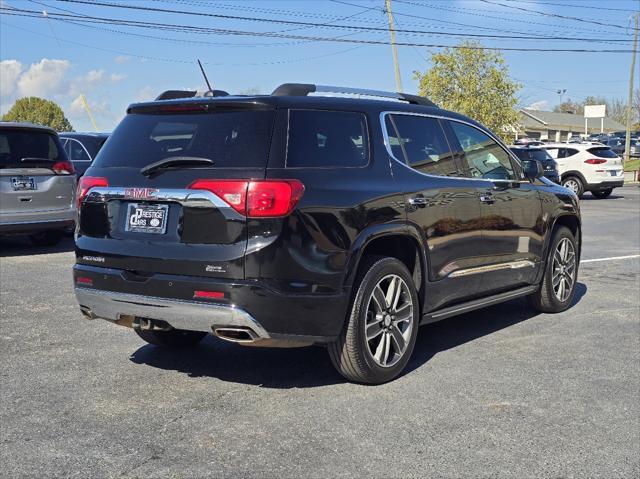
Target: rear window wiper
{"x":175,"y":161}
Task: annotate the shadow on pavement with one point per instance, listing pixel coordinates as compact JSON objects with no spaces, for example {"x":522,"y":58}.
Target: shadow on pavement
{"x":21,"y":246}
{"x":310,"y":367}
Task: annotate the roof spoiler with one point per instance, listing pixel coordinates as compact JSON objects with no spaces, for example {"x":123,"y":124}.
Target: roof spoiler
{"x":178,"y":94}
{"x":304,"y":89}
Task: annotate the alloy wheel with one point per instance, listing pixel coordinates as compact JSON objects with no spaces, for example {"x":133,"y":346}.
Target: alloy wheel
{"x":564,"y":269}
{"x":389,"y":320}
{"x":572,"y":185}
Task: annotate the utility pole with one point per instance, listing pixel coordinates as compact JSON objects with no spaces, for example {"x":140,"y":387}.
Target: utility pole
{"x":393,"y":45}
{"x":627,"y":142}
{"x":561,"y":92}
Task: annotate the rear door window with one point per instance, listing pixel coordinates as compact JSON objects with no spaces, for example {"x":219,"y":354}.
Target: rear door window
{"x":232,"y":139}
{"x":76,"y":151}
{"x":320,"y":139}
{"x":603,"y":152}
{"x":16,"y":144}
{"x":422,"y":142}
{"x":484,"y":157}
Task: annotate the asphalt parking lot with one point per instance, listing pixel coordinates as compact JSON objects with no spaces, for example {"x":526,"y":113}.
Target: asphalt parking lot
{"x":500,"y":392}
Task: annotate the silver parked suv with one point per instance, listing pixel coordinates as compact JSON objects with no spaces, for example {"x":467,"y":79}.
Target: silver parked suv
{"x":37,"y":183}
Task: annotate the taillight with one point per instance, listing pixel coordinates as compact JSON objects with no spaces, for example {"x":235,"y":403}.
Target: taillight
{"x":255,"y":198}
{"x":86,"y":183}
{"x":595,"y":161}
{"x":63,"y":168}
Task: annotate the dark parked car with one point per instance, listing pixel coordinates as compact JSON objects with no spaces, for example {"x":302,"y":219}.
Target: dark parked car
{"x":616,"y":144}
{"x":540,"y":155}
{"x":82,"y":148}
{"x":289,"y":220}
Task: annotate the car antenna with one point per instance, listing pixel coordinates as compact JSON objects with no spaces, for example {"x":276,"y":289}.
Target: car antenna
{"x":210,"y":90}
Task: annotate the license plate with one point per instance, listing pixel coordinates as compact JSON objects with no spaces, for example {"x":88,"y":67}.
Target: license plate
{"x":142,"y":218}
{"x":23,"y":183}
{"x":614,"y":173}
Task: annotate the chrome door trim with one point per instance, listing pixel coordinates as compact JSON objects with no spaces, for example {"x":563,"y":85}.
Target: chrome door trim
{"x":524,"y":263}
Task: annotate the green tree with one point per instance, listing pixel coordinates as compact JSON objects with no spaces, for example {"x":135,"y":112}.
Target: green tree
{"x":39,"y":111}
{"x":475,"y":82}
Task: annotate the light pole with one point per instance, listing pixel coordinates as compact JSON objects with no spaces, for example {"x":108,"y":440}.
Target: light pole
{"x":561,"y":92}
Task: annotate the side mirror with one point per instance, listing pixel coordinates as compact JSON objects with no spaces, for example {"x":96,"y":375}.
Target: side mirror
{"x":532,"y":169}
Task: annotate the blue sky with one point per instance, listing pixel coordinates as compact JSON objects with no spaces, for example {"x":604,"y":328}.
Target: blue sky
{"x":116,"y":65}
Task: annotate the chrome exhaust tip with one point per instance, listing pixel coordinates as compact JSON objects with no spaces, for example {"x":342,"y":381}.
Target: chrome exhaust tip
{"x":236,"y":335}
{"x":86,"y":312}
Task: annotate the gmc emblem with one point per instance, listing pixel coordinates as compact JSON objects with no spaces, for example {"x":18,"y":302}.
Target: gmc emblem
{"x":140,"y":193}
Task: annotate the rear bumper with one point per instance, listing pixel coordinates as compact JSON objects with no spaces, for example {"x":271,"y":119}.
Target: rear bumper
{"x":26,"y":227}
{"x":604,"y":185}
{"x":117,"y":294}
{"x":189,"y":315}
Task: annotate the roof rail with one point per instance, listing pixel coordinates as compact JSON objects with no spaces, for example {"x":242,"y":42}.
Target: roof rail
{"x":303,"y":89}
{"x":177,"y":94}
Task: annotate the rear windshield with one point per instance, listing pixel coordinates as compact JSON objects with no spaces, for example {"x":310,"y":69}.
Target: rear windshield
{"x":603,"y":152}
{"x":17,"y":144}
{"x":232,"y":139}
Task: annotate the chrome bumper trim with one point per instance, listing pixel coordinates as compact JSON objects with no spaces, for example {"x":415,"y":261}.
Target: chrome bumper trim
{"x":180,"y":314}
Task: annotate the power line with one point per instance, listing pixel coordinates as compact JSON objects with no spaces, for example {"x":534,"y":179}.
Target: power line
{"x":175,"y":60}
{"x":208,"y":30}
{"x":329,"y":25}
{"x":480,"y":13}
{"x":555,"y":15}
{"x":538,"y":2}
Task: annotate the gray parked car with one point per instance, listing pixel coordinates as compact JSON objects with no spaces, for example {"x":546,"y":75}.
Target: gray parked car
{"x":37,"y":183}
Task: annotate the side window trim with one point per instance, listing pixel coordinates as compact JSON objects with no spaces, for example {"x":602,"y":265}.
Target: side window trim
{"x":367,"y":129}
{"x":69,"y":140}
{"x":513,"y":160}
{"x":516,"y":167}
{"x":405,"y":160}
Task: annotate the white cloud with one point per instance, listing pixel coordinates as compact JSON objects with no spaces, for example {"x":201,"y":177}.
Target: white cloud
{"x":116,"y":77}
{"x":147,"y":93}
{"x":44,"y":78}
{"x":538,"y":105}
{"x":120,"y":59}
{"x":9,"y":72}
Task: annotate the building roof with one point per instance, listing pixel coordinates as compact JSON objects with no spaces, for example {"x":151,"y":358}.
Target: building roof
{"x":550,"y":120}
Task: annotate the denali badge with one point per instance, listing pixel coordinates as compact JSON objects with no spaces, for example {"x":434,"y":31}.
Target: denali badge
{"x":140,"y":193}
{"x":96,"y":259}
{"x":211,"y":268}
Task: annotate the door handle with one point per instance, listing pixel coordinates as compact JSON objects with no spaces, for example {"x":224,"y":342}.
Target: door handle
{"x":488,"y":199}
{"x":418,"y":201}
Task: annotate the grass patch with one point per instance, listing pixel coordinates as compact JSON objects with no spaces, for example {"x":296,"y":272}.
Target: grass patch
{"x":632,"y":165}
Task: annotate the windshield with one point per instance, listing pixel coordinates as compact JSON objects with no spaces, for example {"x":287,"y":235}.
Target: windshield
{"x":16,"y":144}
{"x":540,"y":155}
{"x":231,"y":139}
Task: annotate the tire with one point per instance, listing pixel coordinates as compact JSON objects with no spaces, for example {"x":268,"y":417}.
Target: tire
{"x":574,"y":184}
{"x":602,"y":194}
{"x":364,"y":361}
{"x":46,"y":238}
{"x":176,"y":338}
{"x":546,"y":299}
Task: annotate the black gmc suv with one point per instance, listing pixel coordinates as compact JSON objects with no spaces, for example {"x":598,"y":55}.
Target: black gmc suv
{"x":293,"y":219}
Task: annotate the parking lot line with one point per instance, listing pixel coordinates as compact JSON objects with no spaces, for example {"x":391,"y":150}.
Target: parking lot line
{"x":611,"y":258}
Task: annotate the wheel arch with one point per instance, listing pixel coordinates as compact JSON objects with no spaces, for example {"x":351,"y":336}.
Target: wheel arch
{"x":575,"y":173}
{"x":574,"y":224}
{"x":399,"y":241}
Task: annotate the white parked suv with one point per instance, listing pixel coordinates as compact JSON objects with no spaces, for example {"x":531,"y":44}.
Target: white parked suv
{"x":587,"y":167}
